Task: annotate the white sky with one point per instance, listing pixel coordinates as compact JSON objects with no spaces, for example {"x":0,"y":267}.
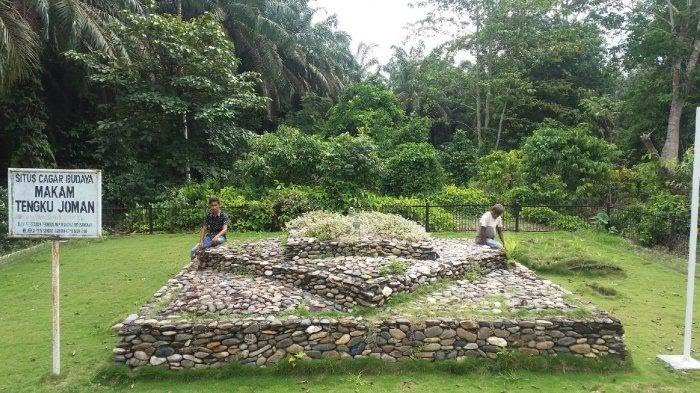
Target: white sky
{"x":381,"y":22}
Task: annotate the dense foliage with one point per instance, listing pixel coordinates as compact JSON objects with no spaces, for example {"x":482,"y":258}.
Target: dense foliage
{"x":177,"y":99}
{"x":263,"y":104}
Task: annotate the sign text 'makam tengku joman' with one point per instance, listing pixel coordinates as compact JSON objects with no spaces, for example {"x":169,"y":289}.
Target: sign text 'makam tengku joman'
{"x":54,"y":202}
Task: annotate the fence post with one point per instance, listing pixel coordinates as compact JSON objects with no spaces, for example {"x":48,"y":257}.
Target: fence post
{"x":427,"y":217}
{"x":150,"y":218}
{"x":608,"y":211}
{"x":516,"y":213}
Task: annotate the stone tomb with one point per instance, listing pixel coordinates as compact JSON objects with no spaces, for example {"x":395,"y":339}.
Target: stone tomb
{"x":259,"y":303}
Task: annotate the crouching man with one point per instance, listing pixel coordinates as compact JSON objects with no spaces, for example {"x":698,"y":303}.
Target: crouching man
{"x":214,"y":228}
{"x":491,"y":223}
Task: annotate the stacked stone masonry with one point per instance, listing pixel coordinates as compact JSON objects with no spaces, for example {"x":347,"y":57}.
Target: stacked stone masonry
{"x":237,"y":304}
{"x":350,"y":280}
{"x":185,"y":344}
{"x":309,"y":247}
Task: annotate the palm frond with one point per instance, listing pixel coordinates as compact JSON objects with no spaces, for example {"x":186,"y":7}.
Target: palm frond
{"x":19,"y":45}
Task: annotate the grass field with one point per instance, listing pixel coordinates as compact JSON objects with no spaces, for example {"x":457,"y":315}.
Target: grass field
{"x":103,"y":281}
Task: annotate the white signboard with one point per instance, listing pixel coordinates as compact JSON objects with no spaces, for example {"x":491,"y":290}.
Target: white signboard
{"x":56,"y":203}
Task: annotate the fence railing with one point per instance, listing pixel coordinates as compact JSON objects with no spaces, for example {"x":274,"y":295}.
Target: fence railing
{"x":517,"y":217}
{"x":435,"y":217}
{"x":669,"y":230}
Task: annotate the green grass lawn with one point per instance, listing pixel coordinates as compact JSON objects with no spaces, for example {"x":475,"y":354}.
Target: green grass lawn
{"x":103,"y":281}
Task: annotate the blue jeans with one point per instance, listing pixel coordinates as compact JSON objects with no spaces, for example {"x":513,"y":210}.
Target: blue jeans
{"x":494,"y":244}
{"x":207,"y":244}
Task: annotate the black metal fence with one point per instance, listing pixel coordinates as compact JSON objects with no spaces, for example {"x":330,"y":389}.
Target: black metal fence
{"x":671,"y":231}
{"x":525,"y":218}
{"x":517,"y":217}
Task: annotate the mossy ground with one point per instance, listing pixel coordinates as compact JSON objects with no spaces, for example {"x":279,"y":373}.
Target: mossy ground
{"x":103,"y":281}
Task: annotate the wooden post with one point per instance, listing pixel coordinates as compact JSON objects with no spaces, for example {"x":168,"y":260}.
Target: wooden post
{"x":55,"y":301}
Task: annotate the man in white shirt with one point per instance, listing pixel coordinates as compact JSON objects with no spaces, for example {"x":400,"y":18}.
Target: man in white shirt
{"x":491,"y":223}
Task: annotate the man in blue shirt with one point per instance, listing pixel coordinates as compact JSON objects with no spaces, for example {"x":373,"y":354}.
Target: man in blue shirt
{"x":214,"y":228}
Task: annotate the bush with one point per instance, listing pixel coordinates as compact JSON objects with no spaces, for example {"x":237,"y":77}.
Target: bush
{"x":413,"y":169}
{"x":571,"y":153}
{"x":547,"y":216}
{"x":287,"y":156}
{"x":459,"y":157}
{"x":320,"y":225}
{"x":326,"y":226}
{"x":663,"y":220}
{"x":415,"y":129}
{"x":290,"y":202}
{"x":549,"y":190}
{"x":499,"y":172}
{"x":453,"y":195}
{"x":364,"y":108}
{"x":350,"y":163}
{"x":390,"y":226}
{"x":8,"y":245}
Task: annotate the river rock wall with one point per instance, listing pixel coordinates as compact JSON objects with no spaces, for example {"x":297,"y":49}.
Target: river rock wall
{"x":178,"y":345}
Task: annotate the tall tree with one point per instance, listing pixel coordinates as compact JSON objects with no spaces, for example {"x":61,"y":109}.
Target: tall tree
{"x":28,"y":27}
{"x":665,"y":36}
{"x":173,"y":67}
{"x":280,"y":40}
{"x":528,"y":61}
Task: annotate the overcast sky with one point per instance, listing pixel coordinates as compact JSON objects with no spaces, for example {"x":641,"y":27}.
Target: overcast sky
{"x":382,"y":22}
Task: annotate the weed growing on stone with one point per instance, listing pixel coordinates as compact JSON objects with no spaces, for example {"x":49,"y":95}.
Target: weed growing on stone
{"x":384,"y":271}
{"x":302,"y":310}
{"x":243,"y":270}
{"x":473,"y":273}
{"x":397,"y":266}
{"x":294,"y":359}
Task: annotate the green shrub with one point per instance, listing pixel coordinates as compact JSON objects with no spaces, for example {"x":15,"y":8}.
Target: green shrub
{"x":252,"y":216}
{"x":555,"y":219}
{"x":499,"y":172}
{"x":365,"y":108}
{"x":453,"y":195}
{"x":413,"y":169}
{"x":286,"y":203}
{"x":415,"y":130}
{"x":459,"y":157}
{"x":350,"y":163}
{"x":573,"y":154}
{"x":660,"y":220}
{"x":287,"y":156}
{"x":8,"y":245}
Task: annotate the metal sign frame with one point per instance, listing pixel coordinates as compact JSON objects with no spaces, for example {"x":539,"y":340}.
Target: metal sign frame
{"x":98,"y":207}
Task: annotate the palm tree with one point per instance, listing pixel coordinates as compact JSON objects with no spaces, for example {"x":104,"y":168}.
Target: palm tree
{"x":19,"y":45}
{"x":279,"y":40}
{"x":28,"y":27}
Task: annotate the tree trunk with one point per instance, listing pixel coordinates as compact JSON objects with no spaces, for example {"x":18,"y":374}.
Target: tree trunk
{"x":185,"y":133}
{"x":500,"y":124}
{"x":682,"y":82}
{"x":477,"y":78}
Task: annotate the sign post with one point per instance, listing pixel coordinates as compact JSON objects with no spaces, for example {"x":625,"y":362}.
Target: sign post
{"x":685,"y":361}
{"x":56,"y":309}
{"x":55,"y":204}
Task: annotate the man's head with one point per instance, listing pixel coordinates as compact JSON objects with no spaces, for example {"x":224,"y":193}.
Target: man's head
{"x":214,"y":205}
{"x":497,"y":210}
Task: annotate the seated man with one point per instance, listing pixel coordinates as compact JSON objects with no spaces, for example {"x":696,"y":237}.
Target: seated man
{"x":214,"y":228}
{"x":490,"y":223}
